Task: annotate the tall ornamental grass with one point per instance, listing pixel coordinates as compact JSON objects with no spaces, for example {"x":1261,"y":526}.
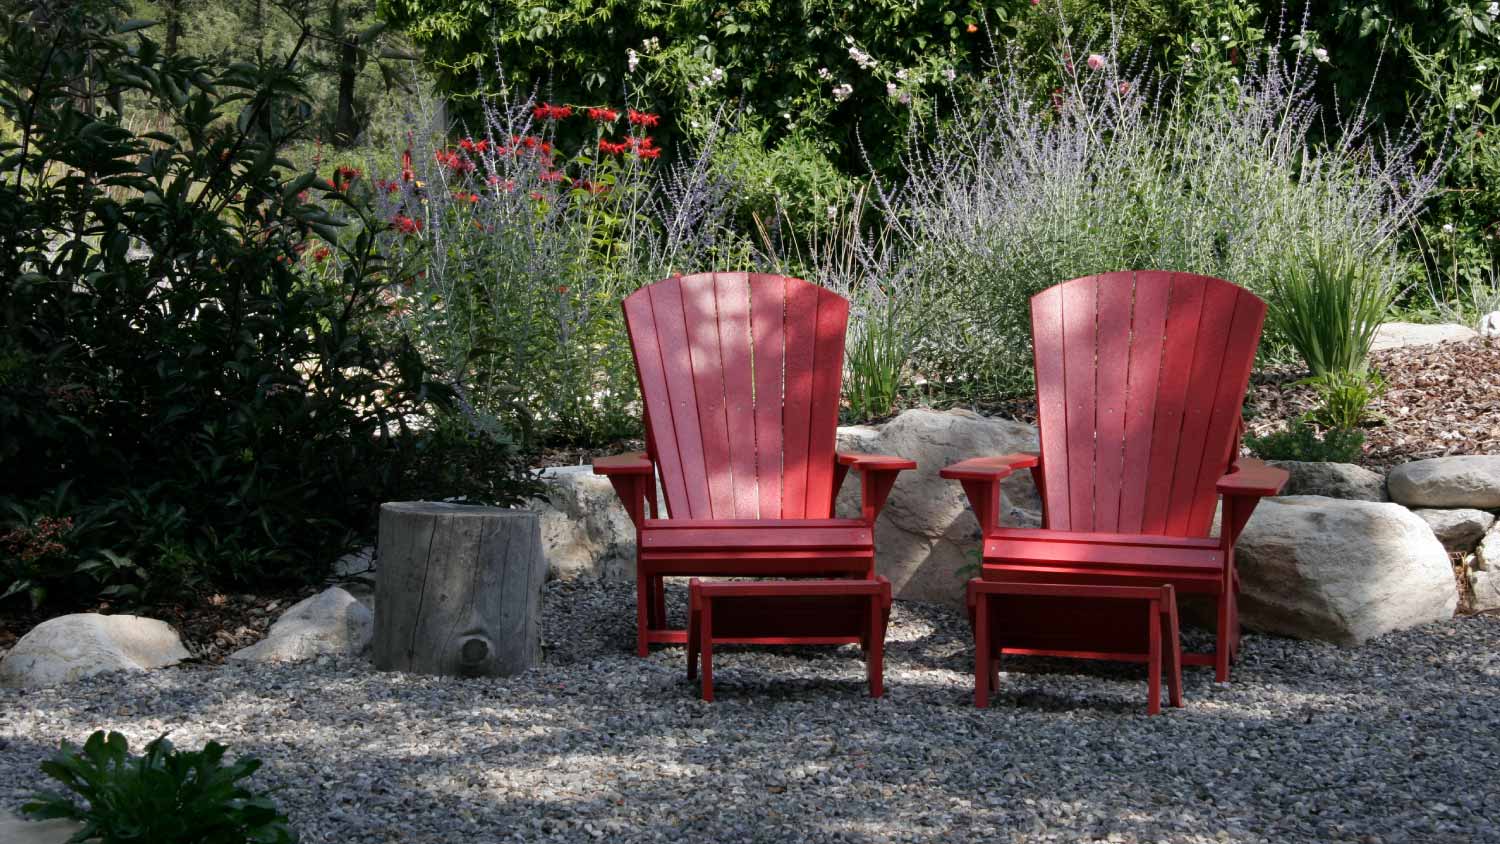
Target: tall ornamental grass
{"x":1116,"y":171}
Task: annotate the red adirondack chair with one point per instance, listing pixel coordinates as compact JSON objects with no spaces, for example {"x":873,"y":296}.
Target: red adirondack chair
{"x":1140,"y":380}
{"x":740,"y":376}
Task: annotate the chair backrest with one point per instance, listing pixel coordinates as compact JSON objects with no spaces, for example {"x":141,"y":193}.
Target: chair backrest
{"x":1140,"y":380}
{"x":740,"y":375}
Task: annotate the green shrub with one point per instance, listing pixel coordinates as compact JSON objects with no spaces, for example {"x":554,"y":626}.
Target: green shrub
{"x":1344,"y":398}
{"x":198,"y":376}
{"x":1301,"y":441}
{"x":164,"y":796}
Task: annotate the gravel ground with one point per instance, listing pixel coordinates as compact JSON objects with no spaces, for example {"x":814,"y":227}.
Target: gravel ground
{"x":1396,"y":741}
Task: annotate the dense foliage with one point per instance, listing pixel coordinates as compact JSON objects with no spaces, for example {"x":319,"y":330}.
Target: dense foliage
{"x":164,"y":796}
{"x":197,"y":381}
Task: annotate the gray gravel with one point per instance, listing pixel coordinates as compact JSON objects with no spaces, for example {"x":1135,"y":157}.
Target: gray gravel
{"x":1396,"y":741}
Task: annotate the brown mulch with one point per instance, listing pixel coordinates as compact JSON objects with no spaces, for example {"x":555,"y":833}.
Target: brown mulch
{"x":212,"y":627}
{"x":1439,"y":400}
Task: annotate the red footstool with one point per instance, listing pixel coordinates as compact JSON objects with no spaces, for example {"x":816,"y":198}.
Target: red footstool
{"x":788,"y":612}
{"x":1124,"y":623}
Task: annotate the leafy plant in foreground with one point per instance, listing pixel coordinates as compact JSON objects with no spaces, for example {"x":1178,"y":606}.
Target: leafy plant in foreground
{"x":1301,"y":441}
{"x":164,"y":796}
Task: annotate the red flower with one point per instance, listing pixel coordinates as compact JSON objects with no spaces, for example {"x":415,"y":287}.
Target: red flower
{"x":641,"y":118}
{"x":614,"y":148}
{"x":552,"y":176}
{"x":406,"y":170}
{"x":321,"y":255}
{"x":455,"y":161}
{"x":536,"y":195}
{"x":466,"y":197}
{"x":562,"y":288}
{"x":348,"y":174}
{"x":405,"y":224}
{"x":603,"y":115}
{"x":648,"y":152}
{"x":594,"y":187}
{"x":552,"y":112}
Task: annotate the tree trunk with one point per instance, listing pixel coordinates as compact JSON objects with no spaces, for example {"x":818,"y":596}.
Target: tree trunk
{"x":458,"y":589}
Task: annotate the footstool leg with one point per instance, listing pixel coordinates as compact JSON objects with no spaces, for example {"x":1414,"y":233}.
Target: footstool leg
{"x":706,"y":640}
{"x":642,"y":614}
{"x":1174,"y":651}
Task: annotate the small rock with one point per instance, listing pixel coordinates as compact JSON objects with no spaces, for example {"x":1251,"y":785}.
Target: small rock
{"x":330,"y":622}
{"x":66,"y":648}
{"x":1486,"y":586}
{"x":1334,"y":480}
{"x":1459,"y":530}
{"x":1460,"y":481}
{"x":14,"y":830}
{"x":1489,"y":324}
{"x":1396,"y":335}
{"x":1487,"y":555}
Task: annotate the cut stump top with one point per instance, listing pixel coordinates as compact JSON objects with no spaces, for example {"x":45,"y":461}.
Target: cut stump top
{"x":444,"y":508}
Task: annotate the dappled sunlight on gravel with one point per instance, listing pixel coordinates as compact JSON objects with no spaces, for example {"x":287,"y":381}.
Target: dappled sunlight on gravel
{"x":1398,"y":740}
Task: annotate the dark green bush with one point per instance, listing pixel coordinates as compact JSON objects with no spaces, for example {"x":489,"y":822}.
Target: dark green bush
{"x":165,"y":796}
{"x":197,"y":381}
{"x":1301,"y":441}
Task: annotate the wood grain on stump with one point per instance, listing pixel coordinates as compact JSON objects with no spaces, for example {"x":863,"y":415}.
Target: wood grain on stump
{"x":458,"y":590}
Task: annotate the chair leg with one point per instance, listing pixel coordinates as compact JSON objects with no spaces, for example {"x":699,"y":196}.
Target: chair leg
{"x":1222,"y":639}
{"x":983,"y":669}
{"x":642,"y":614}
{"x":1153,"y":664}
{"x":875,"y":661}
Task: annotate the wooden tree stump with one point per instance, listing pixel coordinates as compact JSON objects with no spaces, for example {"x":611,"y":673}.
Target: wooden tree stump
{"x":458,"y":590}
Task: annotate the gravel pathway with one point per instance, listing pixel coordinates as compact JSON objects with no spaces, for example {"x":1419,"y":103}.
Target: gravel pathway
{"x":1396,"y":741}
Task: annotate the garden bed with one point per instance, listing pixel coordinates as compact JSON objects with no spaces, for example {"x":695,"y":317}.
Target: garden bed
{"x":1392,"y":741}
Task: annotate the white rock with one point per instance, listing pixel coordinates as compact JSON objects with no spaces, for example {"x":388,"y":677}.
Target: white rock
{"x":1335,"y":480}
{"x":927,"y":537}
{"x":69,"y":647}
{"x":1486,"y":587}
{"x":14,"y":830}
{"x":1341,"y":571}
{"x":1489,"y":324}
{"x":332,"y":622}
{"x":1459,"y":530}
{"x":1460,"y":481}
{"x":585,"y":529}
{"x":1487,"y":555}
{"x":1396,"y":335}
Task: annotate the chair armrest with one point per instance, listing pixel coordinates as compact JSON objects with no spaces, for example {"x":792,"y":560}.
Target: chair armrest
{"x":877,"y":474}
{"x":1254,"y":478}
{"x":991,"y":468}
{"x":635,"y":463}
{"x":875,"y":462}
{"x":633,"y":477}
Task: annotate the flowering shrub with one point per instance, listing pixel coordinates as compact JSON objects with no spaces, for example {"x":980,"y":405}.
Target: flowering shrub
{"x":1117,"y":171}
{"x":527,"y":250}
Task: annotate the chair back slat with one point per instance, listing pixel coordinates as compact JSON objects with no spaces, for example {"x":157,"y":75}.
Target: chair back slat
{"x":1140,"y":379}
{"x":740,"y":376}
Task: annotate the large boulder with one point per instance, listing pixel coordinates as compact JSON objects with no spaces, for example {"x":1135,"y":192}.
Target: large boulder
{"x":1461,"y":481}
{"x":1459,"y":530}
{"x":69,"y":647}
{"x":585,"y":529}
{"x":1397,"y":335}
{"x":330,"y":623}
{"x":927,"y":537}
{"x":1313,"y":567}
{"x":1334,"y":480}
